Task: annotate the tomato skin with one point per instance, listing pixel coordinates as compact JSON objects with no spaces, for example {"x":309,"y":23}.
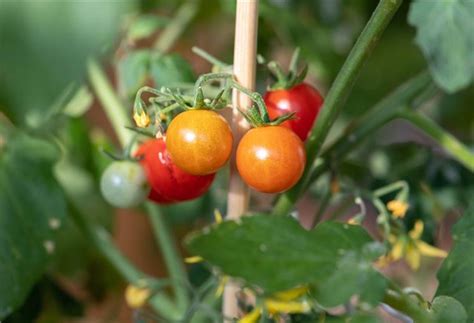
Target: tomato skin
{"x":199,"y":141}
{"x":123,"y":184}
{"x":271,"y":159}
{"x":169,"y":183}
{"x":303,"y":99}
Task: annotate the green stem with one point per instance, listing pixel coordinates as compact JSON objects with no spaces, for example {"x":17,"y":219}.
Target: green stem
{"x":444,"y":139}
{"x":113,"y":107}
{"x":399,"y":185}
{"x":176,"y":27}
{"x":403,"y":303}
{"x":171,"y":256}
{"x":356,"y":132}
{"x":324,"y":203}
{"x":208,"y":57}
{"x":101,"y":239}
{"x":338,"y":94}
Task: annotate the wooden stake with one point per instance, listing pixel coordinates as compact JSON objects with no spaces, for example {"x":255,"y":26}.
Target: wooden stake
{"x":245,"y":51}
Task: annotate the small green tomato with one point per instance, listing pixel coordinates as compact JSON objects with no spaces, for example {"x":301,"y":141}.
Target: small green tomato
{"x":124,"y":184}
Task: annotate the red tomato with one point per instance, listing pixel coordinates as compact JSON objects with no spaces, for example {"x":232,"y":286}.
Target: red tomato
{"x":199,"y":141}
{"x":169,"y":183}
{"x":271,"y":159}
{"x":302,"y":99}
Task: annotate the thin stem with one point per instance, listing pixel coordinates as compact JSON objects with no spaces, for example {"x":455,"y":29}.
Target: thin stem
{"x":171,"y":255}
{"x":322,"y":207}
{"x":399,"y":185}
{"x":403,"y":303}
{"x":101,"y":239}
{"x":453,"y":146}
{"x":178,"y":24}
{"x":208,"y":57}
{"x":113,"y":107}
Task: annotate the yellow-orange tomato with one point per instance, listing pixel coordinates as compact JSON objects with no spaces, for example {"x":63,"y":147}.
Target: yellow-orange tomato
{"x":271,"y":159}
{"x":199,"y":141}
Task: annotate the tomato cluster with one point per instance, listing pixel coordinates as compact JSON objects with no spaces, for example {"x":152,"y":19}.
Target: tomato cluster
{"x":181,"y":164}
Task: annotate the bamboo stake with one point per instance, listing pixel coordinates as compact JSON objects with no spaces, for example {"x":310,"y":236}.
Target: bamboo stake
{"x":245,"y":51}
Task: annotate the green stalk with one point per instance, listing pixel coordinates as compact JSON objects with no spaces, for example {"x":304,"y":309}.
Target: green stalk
{"x":356,"y":132}
{"x":449,"y":143}
{"x":103,"y":242}
{"x":173,"y":261}
{"x":113,"y":107}
{"x":176,"y":27}
{"x":338,"y":94}
{"x":379,"y":115}
{"x":403,"y":303}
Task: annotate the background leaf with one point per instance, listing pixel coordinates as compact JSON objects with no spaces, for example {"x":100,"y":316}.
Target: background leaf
{"x":170,"y":70}
{"x":32,"y":209}
{"x":133,"y":70}
{"x":456,"y":274}
{"x":44,"y":49}
{"x":276,"y":253}
{"x":444,"y":33}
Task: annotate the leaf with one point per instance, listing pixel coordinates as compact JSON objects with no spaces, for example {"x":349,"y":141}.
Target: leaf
{"x":448,"y":309}
{"x":133,"y":71}
{"x":32,"y":209}
{"x":171,"y":70}
{"x":444,"y":33}
{"x":57,"y":38}
{"x":276,"y":253}
{"x":353,"y":274}
{"x":145,"y":25}
{"x":456,"y":273}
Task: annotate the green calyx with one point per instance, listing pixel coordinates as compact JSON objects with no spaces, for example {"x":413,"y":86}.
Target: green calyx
{"x":290,"y":79}
{"x":254,"y":117}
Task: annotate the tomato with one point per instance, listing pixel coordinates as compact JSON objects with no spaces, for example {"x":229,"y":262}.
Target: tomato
{"x":302,"y":99}
{"x":169,"y":183}
{"x":199,"y":141}
{"x":271,"y":159}
{"x":123,"y":184}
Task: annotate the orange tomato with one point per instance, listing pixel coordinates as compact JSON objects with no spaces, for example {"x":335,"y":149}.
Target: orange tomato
{"x":199,"y":141}
{"x":271,"y":159}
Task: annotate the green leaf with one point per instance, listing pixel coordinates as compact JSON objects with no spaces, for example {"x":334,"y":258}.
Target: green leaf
{"x":171,"y":70}
{"x":276,"y":253}
{"x":133,"y":71}
{"x":444,"y":33}
{"x":448,"y":309}
{"x":57,"y":38}
{"x":353,"y":274}
{"x":145,"y":25}
{"x":32,"y":209}
{"x":456,"y":273}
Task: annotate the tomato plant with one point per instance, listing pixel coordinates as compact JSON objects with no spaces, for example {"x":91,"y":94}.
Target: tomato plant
{"x":199,"y":141}
{"x":169,"y":183}
{"x":302,"y":99}
{"x":361,"y":226}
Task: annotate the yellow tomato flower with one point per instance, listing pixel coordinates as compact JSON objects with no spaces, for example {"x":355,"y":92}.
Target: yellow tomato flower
{"x":411,"y":248}
{"x":398,"y":208}
{"x":193,"y":260}
{"x":284,"y":302}
{"x":141,"y":119}
{"x":253,"y":316}
{"x":136,"y":296}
